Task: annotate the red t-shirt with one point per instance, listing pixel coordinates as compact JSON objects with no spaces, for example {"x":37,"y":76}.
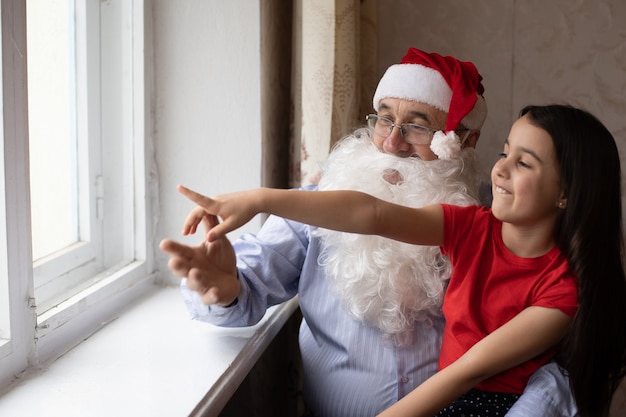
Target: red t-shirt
{"x":490,"y":285}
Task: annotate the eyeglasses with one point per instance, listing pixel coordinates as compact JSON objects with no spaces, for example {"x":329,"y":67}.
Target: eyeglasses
{"x":411,"y":133}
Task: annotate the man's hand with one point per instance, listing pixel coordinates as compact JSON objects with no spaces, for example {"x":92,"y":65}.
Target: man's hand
{"x":210,"y":267}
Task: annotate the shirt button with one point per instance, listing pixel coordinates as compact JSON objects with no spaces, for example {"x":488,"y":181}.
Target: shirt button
{"x":404,"y":379}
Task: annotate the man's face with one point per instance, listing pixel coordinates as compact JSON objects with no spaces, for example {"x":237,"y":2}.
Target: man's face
{"x":406,"y":111}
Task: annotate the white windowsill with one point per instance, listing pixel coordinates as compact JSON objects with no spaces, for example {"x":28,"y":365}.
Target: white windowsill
{"x":151,"y":361}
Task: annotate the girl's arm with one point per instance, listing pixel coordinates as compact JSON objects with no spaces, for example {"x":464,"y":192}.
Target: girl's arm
{"x":530,"y":333}
{"x":347,"y":211}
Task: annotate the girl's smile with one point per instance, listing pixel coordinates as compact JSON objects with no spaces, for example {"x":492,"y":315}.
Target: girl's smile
{"x":500,"y":190}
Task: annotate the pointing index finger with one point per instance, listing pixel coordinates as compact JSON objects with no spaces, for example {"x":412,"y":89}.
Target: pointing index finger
{"x":197,"y":198}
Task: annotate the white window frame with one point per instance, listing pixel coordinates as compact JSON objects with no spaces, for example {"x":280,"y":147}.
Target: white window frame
{"x":26,"y":337}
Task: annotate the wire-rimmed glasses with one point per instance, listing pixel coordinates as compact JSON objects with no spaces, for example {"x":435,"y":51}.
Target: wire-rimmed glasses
{"x":411,"y":132}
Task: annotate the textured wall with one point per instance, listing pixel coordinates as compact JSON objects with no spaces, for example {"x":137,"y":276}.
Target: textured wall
{"x":529,"y":52}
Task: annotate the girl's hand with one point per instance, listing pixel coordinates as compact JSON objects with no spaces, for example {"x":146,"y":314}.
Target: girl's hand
{"x":234,"y":209}
{"x":194,"y":218}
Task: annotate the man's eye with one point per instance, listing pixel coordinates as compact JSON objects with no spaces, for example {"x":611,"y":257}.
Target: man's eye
{"x":415,"y":128}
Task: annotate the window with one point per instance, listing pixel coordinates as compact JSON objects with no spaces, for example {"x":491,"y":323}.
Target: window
{"x":74,"y":246}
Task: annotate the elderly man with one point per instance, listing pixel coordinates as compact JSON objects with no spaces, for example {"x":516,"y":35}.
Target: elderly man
{"x":371,"y":328}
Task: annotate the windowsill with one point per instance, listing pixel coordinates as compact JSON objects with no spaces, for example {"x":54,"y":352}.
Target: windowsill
{"x":153,"y":360}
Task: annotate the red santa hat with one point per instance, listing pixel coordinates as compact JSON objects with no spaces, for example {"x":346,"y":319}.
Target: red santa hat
{"x":443,"y":82}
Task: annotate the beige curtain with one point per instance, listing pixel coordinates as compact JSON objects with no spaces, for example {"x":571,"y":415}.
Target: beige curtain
{"x":333,"y":75}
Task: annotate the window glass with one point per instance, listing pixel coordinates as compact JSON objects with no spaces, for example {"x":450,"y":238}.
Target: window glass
{"x":52,"y":133}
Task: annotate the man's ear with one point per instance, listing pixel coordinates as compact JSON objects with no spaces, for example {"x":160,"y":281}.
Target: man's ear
{"x":472,"y":139}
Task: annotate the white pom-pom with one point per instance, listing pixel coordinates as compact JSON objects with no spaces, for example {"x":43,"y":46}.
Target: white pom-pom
{"x":446,"y":145}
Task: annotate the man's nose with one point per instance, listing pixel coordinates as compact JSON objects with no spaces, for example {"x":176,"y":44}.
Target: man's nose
{"x":394,"y":143}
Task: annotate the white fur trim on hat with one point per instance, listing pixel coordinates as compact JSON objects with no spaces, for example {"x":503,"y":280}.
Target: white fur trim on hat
{"x":414,"y":82}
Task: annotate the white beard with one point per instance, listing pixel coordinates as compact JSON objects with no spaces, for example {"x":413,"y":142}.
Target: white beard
{"x":389,"y":284}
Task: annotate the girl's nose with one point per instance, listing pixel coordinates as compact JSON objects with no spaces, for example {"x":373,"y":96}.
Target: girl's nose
{"x":500,"y":168}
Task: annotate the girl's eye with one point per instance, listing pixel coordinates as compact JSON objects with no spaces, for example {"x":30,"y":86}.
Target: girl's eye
{"x":504,"y":155}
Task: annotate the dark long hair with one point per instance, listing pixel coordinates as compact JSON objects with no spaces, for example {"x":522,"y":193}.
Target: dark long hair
{"x":589,"y":232}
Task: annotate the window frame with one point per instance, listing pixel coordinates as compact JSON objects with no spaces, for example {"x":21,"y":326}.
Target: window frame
{"x":28,"y":339}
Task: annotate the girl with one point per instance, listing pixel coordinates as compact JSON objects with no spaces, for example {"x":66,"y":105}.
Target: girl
{"x":539,"y":270}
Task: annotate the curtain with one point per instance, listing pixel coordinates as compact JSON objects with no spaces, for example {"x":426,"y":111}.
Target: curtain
{"x":333,"y":78}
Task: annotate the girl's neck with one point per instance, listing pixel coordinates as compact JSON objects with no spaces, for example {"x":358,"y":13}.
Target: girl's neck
{"x":527,"y":242}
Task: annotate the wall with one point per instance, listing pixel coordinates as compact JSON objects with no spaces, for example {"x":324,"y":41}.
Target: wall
{"x":208,"y":105}
{"x":529,"y":52}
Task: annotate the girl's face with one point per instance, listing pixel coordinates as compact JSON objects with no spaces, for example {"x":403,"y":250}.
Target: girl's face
{"x":525,"y":180}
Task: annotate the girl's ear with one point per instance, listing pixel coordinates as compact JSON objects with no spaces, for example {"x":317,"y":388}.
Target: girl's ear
{"x":562,"y":203}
